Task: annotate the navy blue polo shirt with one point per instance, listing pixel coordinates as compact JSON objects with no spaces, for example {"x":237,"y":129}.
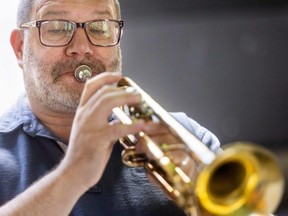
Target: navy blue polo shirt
{"x":28,"y":151}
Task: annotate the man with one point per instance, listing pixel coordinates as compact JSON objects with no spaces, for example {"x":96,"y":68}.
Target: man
{"x":57,"y":150}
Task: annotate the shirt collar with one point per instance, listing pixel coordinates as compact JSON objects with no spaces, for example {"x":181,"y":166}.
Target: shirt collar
{"x":20,"y":115}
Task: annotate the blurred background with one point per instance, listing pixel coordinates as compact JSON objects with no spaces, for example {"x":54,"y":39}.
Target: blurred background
{"x":223,"y":62}
{"x":11,"y":76}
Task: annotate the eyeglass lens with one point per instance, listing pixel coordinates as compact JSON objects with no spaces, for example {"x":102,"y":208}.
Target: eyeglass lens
{"x":58,"y":32}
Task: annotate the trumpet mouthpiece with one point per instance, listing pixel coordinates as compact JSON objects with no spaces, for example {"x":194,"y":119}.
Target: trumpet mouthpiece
{"x":82,"y":73}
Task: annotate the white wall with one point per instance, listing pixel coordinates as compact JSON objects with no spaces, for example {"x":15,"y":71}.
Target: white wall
{"x":11,"y":75}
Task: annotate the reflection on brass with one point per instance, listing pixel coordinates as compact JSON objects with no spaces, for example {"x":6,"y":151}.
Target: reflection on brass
{"x":243,"y":179}
{"x":83,"y":73}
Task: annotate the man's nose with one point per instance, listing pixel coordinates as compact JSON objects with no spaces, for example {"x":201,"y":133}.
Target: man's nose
{"x":80,"y":45}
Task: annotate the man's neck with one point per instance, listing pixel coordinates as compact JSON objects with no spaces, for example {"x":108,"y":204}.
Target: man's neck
{"x":57,"y":122}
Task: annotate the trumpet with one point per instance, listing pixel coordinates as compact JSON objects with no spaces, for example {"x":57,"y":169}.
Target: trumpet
{"x":243,"y":179}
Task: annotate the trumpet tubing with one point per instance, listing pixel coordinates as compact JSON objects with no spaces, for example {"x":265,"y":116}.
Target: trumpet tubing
{"x":244,"y":179}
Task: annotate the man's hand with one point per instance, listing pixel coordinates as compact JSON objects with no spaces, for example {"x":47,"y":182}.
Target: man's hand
{"x":92,"y":136}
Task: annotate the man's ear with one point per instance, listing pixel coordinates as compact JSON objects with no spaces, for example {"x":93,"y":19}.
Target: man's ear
{"x":16,"y":41}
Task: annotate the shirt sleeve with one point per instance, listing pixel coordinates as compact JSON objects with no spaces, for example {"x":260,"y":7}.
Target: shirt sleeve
{"x":204,"y":135}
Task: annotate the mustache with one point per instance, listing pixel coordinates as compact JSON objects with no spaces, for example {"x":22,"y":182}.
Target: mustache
{"x":61,"y":67}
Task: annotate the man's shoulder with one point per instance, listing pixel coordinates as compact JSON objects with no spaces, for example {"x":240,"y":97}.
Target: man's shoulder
{"x":15,"y":116}
{"x":10,"y":120}
{"x":200,"y":132}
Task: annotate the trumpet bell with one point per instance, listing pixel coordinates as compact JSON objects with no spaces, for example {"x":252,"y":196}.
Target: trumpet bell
{"x":243,"y":180}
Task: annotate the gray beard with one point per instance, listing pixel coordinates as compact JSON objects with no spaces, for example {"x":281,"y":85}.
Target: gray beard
{"x":42,"y":81}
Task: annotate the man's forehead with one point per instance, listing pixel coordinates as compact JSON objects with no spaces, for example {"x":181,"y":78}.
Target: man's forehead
{"x":43,"y":5}
{"x":74,"y":1}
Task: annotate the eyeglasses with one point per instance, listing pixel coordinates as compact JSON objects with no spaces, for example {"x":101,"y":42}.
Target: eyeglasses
{"x":57,"y":33}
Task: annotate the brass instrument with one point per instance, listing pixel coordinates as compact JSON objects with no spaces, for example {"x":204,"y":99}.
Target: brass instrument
{"x":245,"y":179}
